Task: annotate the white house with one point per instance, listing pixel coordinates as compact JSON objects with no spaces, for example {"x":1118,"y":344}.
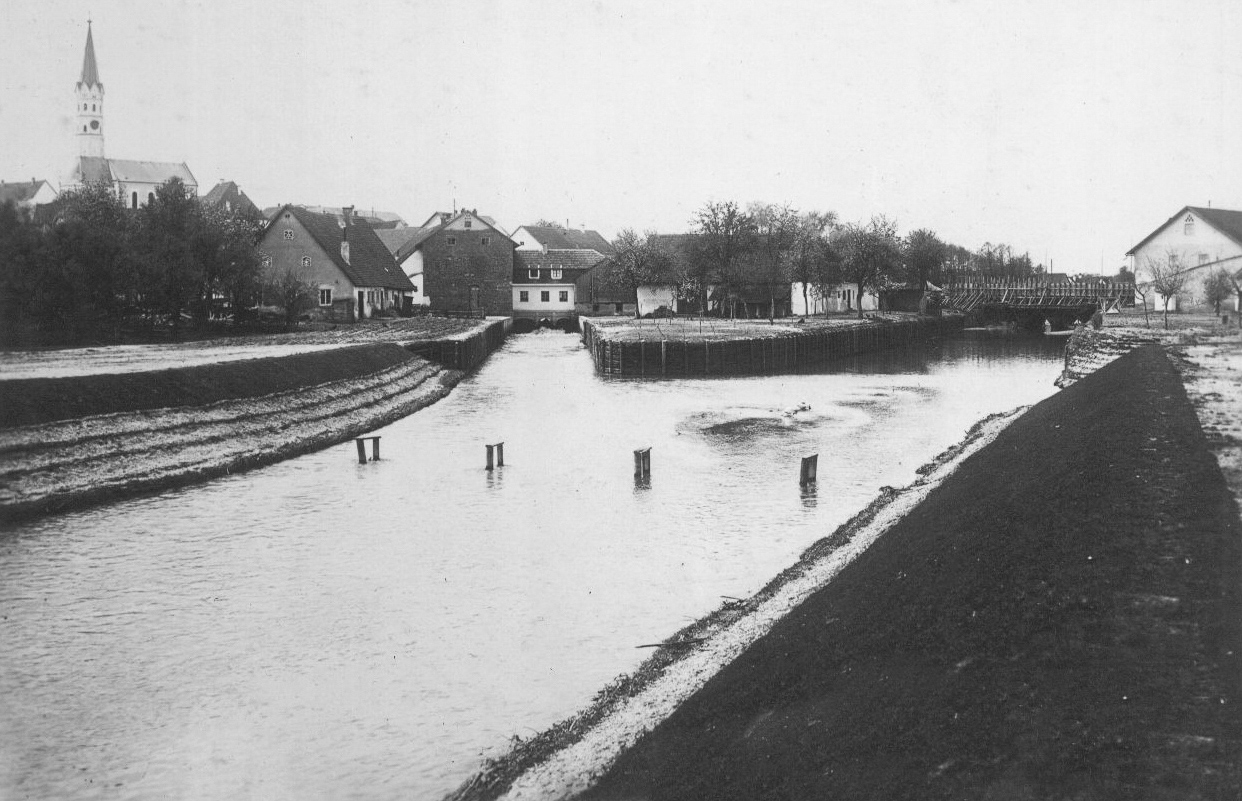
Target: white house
{"x":1197,"y":241}
{"x":838,"y":298}
{"x":544,"y":237}
{"x":26,"y":195}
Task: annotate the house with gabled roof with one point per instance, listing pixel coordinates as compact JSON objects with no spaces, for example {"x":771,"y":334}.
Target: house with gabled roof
{"x":545,"y":284}
{"x":351,"y":271}
{"x":27,"y":195}
{"x":1197,"y":241}
{"x":460,"y":262}
{"x":229,"y":198}
{"x":544,"y":237}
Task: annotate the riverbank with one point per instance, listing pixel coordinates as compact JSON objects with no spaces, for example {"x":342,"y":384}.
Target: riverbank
{"x":78,"y":440}
{"x":711,"y":347}
{"x":1057,"y":617}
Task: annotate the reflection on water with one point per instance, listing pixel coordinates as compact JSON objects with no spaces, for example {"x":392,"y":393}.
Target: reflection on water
{"x":322,"y":629}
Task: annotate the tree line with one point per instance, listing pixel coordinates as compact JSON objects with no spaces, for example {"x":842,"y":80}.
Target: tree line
{"x":89,"y":269}
{"x":769,"y":246}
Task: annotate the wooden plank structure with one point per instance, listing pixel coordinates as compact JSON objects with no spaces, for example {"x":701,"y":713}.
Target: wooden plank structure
{"x":463,"y":353}
{"x":784,"y":353}
{"x":1106,"y":295}
{"x":362,"y":449}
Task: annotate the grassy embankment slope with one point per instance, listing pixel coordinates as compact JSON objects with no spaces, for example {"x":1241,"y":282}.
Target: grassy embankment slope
{"x":1060,"y":619}
{"x":33,"y":401}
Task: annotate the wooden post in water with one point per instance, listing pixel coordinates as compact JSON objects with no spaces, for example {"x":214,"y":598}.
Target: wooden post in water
{"x":362,"y":451}
{"x":663,"y":357}
{"x":642,"y":464}
{"x":500,"y":454}
{"x":810,"y":466}
{"x":490,"y":448}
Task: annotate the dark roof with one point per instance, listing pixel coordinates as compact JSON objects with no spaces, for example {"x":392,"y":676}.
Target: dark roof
{"x":572,"y":263}
{"x":19,"y":192}
{"x":1226,"y":221}
{"x":401,"y":242}
{"x":601,"y":284}
{"x":370,"y":263}
{"x":90,"y":70}
{"x":568,"y":238}
{"x":94,"y":170}
{"x":230,"y":193}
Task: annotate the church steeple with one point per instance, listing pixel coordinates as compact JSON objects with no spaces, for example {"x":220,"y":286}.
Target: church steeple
{"x":89,"y":92}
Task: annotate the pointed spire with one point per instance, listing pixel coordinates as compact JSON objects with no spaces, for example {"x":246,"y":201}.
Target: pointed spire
{"x":90,"y":71}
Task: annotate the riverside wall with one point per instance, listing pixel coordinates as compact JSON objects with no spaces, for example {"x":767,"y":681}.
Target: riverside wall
{"x":466,"y":351}
{"x":783,"y":353}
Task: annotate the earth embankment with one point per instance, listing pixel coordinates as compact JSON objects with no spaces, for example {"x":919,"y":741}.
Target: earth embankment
{"x":1060,"y":618}
{"x":99,"y":438}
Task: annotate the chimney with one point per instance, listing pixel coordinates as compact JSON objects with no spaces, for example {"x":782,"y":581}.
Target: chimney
{"x":346,"y":213}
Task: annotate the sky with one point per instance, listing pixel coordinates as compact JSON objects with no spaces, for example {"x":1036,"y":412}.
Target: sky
{"x":1068,"y":130}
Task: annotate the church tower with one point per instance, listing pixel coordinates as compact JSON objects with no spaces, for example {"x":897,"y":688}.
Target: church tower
{"x":89,"y":114}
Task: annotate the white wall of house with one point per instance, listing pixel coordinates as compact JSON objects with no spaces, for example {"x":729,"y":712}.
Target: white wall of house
{"x":525,"y":240}
{"x":413,"y":268}
{"x":651,"y":298}
{"x":534,"y":298}
{"x":1194,"y":244}
{"x":838,"y":298}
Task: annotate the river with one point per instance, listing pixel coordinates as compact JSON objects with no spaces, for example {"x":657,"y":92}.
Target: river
{"x":320,"y":629}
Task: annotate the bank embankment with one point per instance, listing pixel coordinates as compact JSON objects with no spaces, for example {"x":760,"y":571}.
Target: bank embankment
{"x":66,"y":464}
{"x":676,"y":348}
{"x":1058,"y":616}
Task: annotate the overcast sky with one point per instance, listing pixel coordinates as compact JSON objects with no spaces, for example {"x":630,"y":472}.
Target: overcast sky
{"x":1066,"y":129}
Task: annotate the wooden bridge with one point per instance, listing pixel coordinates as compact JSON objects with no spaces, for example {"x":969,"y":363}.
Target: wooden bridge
{"x":1036,"y":295}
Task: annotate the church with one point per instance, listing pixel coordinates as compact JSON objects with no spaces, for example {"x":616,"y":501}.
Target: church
{"x":134,"y":181}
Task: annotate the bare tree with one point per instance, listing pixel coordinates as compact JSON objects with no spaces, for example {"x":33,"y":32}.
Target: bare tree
{"x":638,"y":261}
{"x":776,"y":229}
{"x":724,"y":235}
{"x":809,"y":260}
{"x":1168,"y":278}
{"x":292,"y":291}
{"x":1217,"y":289}
{"x":870,"y":255}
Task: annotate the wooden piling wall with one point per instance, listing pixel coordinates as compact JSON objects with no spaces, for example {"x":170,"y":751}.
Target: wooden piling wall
{"x":786,"y":353}
{"x":465,"y":353}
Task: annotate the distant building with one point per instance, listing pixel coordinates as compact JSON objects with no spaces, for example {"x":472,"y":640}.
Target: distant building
{"x":228,"y":197}
{"x":1197,"y":241}
{"x":537,"y":237}
{"x":134,"y":181}
{"x":835,"y":298}
{"x":351,"y":271}
{"x":27,"y":195}
{"x":375,"y":219}
{"x":601,"y":291}
{"x":465,"y":261}
{"x":545,"y":284}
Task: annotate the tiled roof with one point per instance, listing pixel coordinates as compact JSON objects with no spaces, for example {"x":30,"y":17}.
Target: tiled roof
{"x":229,"y":192}
{"x":100,"y":170}
{"x":575,"y":259}
{"x":1226,"y":221}
{"x":370,"y":263}
{"x":568,"y":238}
{"x":401,"y":242}
{"x":19,"y":192}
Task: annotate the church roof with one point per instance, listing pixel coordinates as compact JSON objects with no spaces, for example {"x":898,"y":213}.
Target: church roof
{"x":90,"y":70}
{"x":94,"y":169}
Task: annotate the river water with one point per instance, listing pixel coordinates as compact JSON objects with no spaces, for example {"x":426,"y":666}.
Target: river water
{"x":321,"y":629}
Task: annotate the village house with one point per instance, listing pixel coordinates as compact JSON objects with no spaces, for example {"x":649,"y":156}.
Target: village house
{"x":1196,"y":241}
{"x":601,"y":291}
{"x":836,"y":298}
{"x":347,"y":266}
{"x":458,"y":262}
{"x":540,"y":237}
{"x":229,"y":198}
{"x":26,"y":196}
{"x":545,"y":284}
{"x":134,"y":181}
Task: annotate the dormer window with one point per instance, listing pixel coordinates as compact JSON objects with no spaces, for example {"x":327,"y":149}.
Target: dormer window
{"x":533,"y":272}
{"x":1188,"y":227}
{"x":556,"y":273}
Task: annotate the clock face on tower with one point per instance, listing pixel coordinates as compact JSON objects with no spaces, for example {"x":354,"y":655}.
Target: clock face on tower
{"x":94,"y":125}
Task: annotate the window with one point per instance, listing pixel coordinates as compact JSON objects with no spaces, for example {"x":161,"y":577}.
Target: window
{"x":267,"y":262}
{"x":150,"y":198}
{"x":452,"y":240}
{"x":371,"y":296}
{"x":523,"y":296}
{"x":565,"y":296}
{"x":533,"y":272}
{"x":133,"y":200}
{"x":1203,"y":257}
{"x":619,"y":307}
{"x":92,"y":106}
{"x":1188,"y":227}
{"x":306,"y":262}
{"x":487,"y":240}
{"x":288,"y":233}
{"x":467,"y":223}
{"x":545,"y":296}
{"x":325,"y":296}
{"x":556,"y":273}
